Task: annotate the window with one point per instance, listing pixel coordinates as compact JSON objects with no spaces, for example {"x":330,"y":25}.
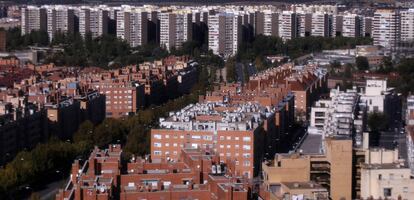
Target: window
{"x":157,"y":136}
{"x":157,"y":152}
{"x":228,"y":154}
{"x":387,"y":192}
{"x":196,"y":137}
{"x":236,"y":138}
{"x":237,"y":146}
{"x":246,"y":139}
{"x":167,"y":144}
{"x":228,"y":146}
{"x":157,"y":144}
{"x":246,"y":163}
{"x":228,"y":138}
{"x":181,"y":136}
{"x":207,"y":137}
{"x":175,"y":152}
{"x":246,"y":155}
{"x":221,"y":137}
{"x":175,"y":144}
{"x":379,"y":176}
{"x":246,"y":147}
{"x":405,"y":189}
{"x":167,"y":136}
{"x":221,"y":146}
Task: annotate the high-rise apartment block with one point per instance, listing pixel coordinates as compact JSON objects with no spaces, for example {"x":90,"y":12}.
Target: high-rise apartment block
{"x":132,"y":26}
{"x":288,"y":25}
{"x":386,"y":28}
{"x":33,"y":18}
{"x":321,"y":25}
{"x":175,"y":28}
{"x":407,"y":25}
{"x":60,"y":19}
{"x":224,"y":33}
{"x":93,"y":20}
{"x":346,"y":25}
{"x":270,"y":23}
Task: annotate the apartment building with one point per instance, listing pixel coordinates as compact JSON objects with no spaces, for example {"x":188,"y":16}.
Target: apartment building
{"x":122,"y":98}
{"x":409,"y":120}
{"x":232,"y":135}
{"x":288,"y":25}
{"x":407,"y":25}
{"x":306,"y":82}
{"x":385,"y":175}
{"x":196,"y":174}
{"x":60,"y":19}
{"x":134,"y":87}
{"x":366,"y":30}
{"x":175,"y":29}
{"x":331,"y":169}
{"x":346,"y":25}
{"x":270,"y":23}
{"x":93,"y":20}
{"x":132,"y":26}
{"x":224,"y":33}
{"x":386,"y":30}
{"x":21,"y":129}
{"x":342,"y":114}
{"x":33,"y":18}
{"x":305,"y":24}
{"x":380,"y":98}
{"x":321,"y":25}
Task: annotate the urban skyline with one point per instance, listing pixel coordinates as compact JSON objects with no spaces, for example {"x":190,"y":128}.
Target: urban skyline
{"x":207,"y":101}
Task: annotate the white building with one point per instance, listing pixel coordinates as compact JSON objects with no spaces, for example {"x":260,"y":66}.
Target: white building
{"x":33,"y":18}
{"x":224,"y":33}
{"x":60,"y":19}
{"x":93,"y":20}
{"x":175,"y":29}
{"x":407,"y":25}
{"x":384,"y":175}
{"x":351,"y":25}
{"x":375,"y":95}
{"x":132,"y":26}
{"x":270,"y":23}
{"x":386,"y":28}
{"x":288,"y":25}
{"x":321,"y":25}
{"x":342,"y":114}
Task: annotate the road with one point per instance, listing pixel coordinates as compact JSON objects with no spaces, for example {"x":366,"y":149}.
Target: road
{"x":50,"y":190}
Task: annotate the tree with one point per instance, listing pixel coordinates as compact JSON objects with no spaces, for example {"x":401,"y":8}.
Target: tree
{"x":230,"y":69}
{"x":362,"y":63}
{"x":260,"y":66}
{"x":348,"y":71}
{"x":85,"y":132}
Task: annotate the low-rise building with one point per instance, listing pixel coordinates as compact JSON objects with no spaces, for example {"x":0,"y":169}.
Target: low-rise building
{"x":196,"y":174}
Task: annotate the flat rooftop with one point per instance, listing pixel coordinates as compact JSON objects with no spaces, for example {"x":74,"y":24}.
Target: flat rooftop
{"x":312,"y":144}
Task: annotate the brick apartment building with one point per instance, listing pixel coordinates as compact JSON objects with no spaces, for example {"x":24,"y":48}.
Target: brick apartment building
{"x":306,"y":82}
{"x":150,"y":83}
{"x":246,"y":123}
{"x":197,"y":174}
